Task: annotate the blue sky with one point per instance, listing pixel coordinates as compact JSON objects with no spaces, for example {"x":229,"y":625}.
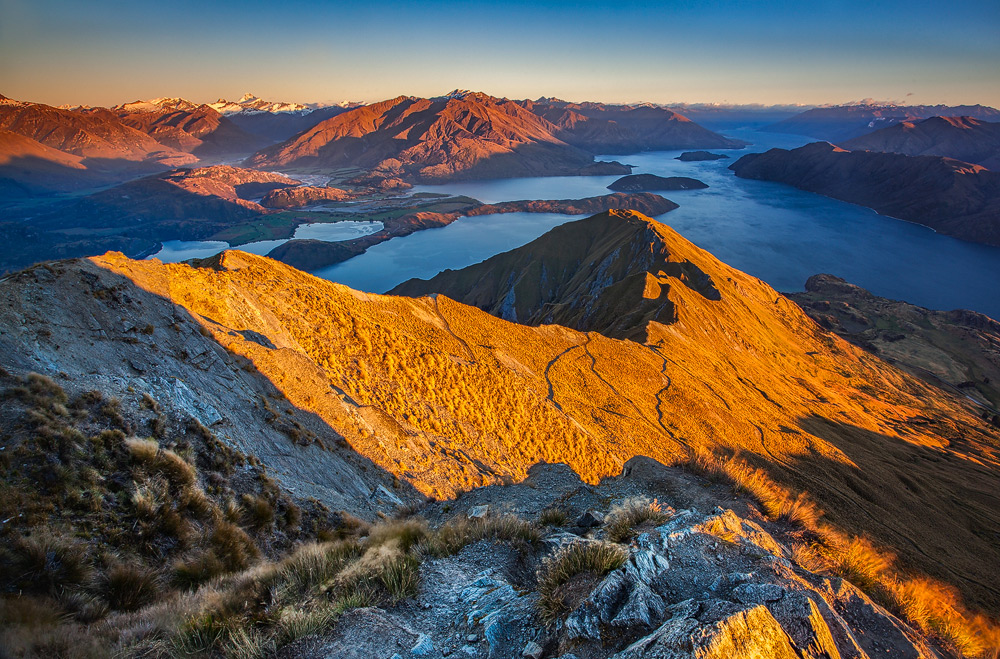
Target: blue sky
{"x":105,"y":52}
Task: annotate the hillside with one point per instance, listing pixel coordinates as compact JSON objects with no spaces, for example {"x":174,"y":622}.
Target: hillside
{"x":38,"y":169}
{"x":962,"y":138}
{"x":445,"y":397}
{"x":97,"y":135}
{"x":621,"y":129}
{"x":843,"y":122}
{"x":949,"y":196}
{"x":957,"y":349}
{"x":196,"y":129}
{"x":435,"y":140}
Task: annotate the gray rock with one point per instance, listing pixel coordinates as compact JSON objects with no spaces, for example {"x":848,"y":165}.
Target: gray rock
{"x":590,"y":519}
{"x":478,"y":512}
{"x":532,"y":650}
{"x":423,"y":647}
{"x":758,"y":593}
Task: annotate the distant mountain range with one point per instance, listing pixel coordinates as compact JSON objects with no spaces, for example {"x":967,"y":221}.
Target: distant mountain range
{"x":962,"y":138}
{"x":843,"y":122}
{"x":952,"y":197}
{"x":471,"y":135}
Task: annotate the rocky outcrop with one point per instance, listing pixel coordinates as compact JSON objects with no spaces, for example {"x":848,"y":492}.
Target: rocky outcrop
{"x":707,"y":584}
{"x":312,"y":255}
{"x":698,"y":156}
{"x":951,"y":197}
{"x":654,"y":183}
{"x":961,"y":138}
{"x":436,"y":140}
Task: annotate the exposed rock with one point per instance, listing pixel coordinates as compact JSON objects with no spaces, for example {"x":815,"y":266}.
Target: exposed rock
{"x":590,"y":519}
{"x":479,"y":512}
{"x":532,"y":650}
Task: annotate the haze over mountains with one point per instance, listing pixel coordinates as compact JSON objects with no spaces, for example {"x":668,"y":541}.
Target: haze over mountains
{"x":843,"y":122}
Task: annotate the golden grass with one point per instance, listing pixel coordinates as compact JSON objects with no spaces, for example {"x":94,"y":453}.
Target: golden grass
{"x":461,"y":531}
{"x":624,"y":520}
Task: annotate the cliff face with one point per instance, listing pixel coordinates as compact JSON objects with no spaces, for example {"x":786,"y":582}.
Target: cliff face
{"x":949,"y":196}
{"x":434,"y":140}
{"x":962,"y":138}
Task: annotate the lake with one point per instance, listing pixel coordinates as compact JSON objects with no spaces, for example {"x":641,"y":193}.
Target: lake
{"x":772,"y":231}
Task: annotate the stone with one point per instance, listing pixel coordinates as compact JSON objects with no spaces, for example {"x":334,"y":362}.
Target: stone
{"x":590,"y":519}
{"x":532,"y":650}
{"x":479,"y":512}
{"x":423,"y":647}
{"x":758,"y":593}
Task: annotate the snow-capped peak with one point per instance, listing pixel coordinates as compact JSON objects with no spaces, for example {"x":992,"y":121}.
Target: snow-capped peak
{"x":157,"y":105}
{"x":250,"y":104}
{"x":464,"y":93}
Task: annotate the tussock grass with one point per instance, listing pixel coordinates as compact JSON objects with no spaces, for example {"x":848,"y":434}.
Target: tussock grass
{"x":560,"y":573}
{"x":461,"y":531}
{"x":553,"y":517}
{"x":128,"y":587}
{"x":622,"y":522}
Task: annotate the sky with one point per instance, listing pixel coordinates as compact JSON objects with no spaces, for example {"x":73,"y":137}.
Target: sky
{"x":104,"y":52}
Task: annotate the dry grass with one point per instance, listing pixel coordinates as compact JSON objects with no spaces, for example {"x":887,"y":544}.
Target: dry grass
{"x":553,"y":517}
{"x":561,"y":572}
{"x":623,"y":522}
{"x":461,"y":531}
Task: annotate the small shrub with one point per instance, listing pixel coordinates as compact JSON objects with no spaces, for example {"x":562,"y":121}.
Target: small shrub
{"x":128,"y":587}
{"x":560,"y":573}
{"x":406,"y":533}
{"x":233,"y":546}
{"x":552,"y":517}
{"x":461,"y":531}
{"x":259,"y":512}
{"x":623,"y":521}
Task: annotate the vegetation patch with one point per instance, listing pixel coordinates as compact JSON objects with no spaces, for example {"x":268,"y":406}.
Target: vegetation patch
{"x":565,"y":579}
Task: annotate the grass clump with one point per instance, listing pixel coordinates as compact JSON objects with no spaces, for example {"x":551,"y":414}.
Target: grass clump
{"x":564,"y":580}
{"x":553,"y":517}
{"x":461,"y":531}
{"x":623,"y":522}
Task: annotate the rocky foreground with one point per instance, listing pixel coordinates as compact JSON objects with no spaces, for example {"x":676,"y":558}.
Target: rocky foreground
{"x":693,"y":578}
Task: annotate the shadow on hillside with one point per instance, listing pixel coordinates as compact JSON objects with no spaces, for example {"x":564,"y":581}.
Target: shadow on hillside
{"x":938,"y":507}
{"x":300,"y":447}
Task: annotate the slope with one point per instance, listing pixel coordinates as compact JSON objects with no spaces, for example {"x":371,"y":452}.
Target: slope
{"x":601,"y":128}
{"x":435,"y":140}
{"x":447,"y":397}
{"x":962,"y":138}
{"x":844,"y":122}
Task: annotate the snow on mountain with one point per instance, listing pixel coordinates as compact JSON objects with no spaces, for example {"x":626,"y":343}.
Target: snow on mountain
{"x":249,"y":104}
{"x":157,"y":105}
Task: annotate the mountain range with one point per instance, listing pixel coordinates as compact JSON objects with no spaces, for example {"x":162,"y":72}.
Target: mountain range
{"x":843,"y":122}
{"x":962,"y":138}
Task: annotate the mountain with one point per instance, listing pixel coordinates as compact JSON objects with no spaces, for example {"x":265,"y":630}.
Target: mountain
{"x":962,"y":138}
{"x":186,"y":126}
{"x":843,"y":122}
{"x":32,"y":167}
{"x":370,"y":403}
{"x":949,"y":196}
{"x":610,"y":273}
{"x":435,"y":140}
{"x":956,"y":349}
{"x":619,"y":129}
{"x":249,"y":103}
{"x":98,"y":135}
